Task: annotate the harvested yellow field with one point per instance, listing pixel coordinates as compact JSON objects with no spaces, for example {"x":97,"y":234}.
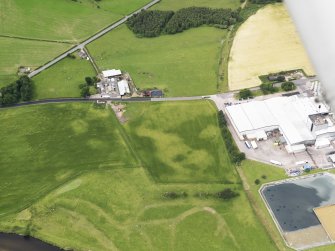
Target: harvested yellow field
{"x":266,"y":43}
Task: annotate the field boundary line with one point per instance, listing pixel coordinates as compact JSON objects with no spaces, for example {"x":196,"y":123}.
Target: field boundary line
{"x":38,"y":39}
{"x":127,"y":141}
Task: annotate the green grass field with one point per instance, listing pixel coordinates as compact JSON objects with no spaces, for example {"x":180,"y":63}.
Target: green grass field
{"x":180,"y":141}
{"x":63,"y":79}
{"x":177,"y":4}
{"x":132,"y":215}
{"x":184,"y":64}
{"x":61,"y":20}
{"x":17,"y":52}
{"x":72,"y":176}
{"x":44,"y":146}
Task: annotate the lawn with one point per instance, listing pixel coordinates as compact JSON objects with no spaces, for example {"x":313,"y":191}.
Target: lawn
{"x":61,"y":20}
{"x":177,"y":4}
{"x":183,"y":64}
{"x":63,"y":79}
{"x":44,"y":146}
{"x":17,"y":52}
{"x":266,"y":43}
{"x":180,"y":141}
{"x":131,"y":214}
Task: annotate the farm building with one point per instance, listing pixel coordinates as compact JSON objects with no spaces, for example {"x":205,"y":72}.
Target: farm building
{"x":300,"y":120}
{"x":123,"y":87}
{"x":111,"y":73}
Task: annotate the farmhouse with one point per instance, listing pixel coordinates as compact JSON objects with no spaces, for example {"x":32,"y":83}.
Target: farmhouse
{"x":300,"y":120}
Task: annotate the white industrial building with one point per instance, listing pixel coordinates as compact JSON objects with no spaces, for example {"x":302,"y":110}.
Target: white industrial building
{"x":301,"y":121}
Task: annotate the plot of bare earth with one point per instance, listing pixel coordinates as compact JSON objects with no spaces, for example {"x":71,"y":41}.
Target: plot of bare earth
{"x":266,"y":43}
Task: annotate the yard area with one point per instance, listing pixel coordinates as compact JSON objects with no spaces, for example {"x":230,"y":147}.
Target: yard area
{"x":266,"y":43}
{"x":63,"y":79}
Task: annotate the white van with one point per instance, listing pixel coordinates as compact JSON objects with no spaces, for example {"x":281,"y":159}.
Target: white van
{"x":247,"y":144}
{"x":275,"y":162}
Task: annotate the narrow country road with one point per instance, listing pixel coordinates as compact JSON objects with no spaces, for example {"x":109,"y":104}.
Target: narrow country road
{"x":89,"y":40}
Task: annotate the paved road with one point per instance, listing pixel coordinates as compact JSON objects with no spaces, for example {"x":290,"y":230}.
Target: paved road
{"x":70,"y":100}
{"x":89,"y":40}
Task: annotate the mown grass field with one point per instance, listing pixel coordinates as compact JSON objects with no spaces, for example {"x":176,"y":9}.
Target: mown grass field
{"x":131,"y":214}
{"x":61,"y":20}
{"x":73,"y":177}
{"x":266,"y":43}
{"x":176,"y":4}
{"x":180,"y":141}
{"x":17,"y":52}
{"x":44,"y":146}
{"x":63,"y":79}
{"x":184,"y":64}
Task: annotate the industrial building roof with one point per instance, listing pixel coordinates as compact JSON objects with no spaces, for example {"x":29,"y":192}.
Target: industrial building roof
{"x":111,"y":73}
{"x":123,"y":87}
{"x":290,"y":114}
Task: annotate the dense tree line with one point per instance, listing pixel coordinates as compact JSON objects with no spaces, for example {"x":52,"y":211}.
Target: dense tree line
{"x":196,"y":16}
{"x":225,"y":194}
{"x":20,"y":90}
{"x":236,"y":156}
{"x":154,"y":23}
{"x":149,"y":23}
{"x":265,"y":1}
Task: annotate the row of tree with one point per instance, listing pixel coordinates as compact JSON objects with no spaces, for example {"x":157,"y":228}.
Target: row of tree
{"x":225,"y":194}
{"x":235,"y":155}
{"x":156,"y":22}
{"x":265,"y":1}
{"x":88,"y":88}
{"x":20,"y":90}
